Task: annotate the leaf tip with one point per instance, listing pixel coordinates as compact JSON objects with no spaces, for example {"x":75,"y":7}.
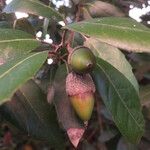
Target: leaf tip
{"x":75,"y":134}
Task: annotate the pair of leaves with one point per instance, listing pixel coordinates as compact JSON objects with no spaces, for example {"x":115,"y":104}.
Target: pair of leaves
{"x":29,"y":111}
{"x":16,"y":43}
{"x":34,"y":7}
{"x":120,"y":32}
{"x":118,"y":88}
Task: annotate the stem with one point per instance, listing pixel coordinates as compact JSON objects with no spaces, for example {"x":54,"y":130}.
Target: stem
{"x":64,"y":37}
{"x":45,"y":27}
{"x":98,"y":106}
{"x":66,"y":66}
{"x":77,"y":19}
{"x":14,"y":24}
{"x":79,"y":8}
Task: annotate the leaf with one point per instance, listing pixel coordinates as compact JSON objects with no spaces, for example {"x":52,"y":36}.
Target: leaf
{"x":99,"y":8}
{"x":15,"y":43}
{"x":5,"y":24}
{"x":24,"y":25}
{"x":65,"y":113}
{"x":16,"y":72}
{"x":114,"y":57}
{"x":34,"y":7}
{"x":120,"y":32}
{"x":29,"y":111}
{"x":121,"y":99}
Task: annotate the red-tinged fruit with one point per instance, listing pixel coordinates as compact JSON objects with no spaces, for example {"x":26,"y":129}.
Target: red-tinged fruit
{"x":75,"y":134}
{"x":81,"y":89}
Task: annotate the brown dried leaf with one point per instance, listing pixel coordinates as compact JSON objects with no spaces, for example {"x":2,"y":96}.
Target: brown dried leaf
{"x":99,"y":8}
{"x":65,"y":113}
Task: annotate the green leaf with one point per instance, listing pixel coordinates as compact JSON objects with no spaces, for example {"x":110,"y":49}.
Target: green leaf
{"x":15,"y":43}
{"x":16,"y":72}
{"x":34,"y":7}
{"x":121,"y":99}
{"x":5,"y":24}
{"x":30,"y":112}
{"x":114,"y":57}
{"x":120,"y":32}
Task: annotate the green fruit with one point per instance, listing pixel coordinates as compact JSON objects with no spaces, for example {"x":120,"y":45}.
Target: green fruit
{"x":81,"y":89}
{"x":81,"y":60}
{"x":83,"y":105}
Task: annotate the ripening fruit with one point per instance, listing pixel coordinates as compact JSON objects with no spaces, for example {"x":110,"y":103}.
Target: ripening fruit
{"x":81,"y":89}
{"x":81,"y":60}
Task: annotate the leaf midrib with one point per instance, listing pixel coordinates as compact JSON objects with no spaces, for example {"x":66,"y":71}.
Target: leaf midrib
{"x":32,"y":107}
{"x":16,"y":40}
{"x":20,"y":62}
{"x":118,"y":27}
{"x":120,"y":97}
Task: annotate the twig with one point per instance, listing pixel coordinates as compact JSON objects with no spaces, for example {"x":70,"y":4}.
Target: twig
{"x":98,"y":107}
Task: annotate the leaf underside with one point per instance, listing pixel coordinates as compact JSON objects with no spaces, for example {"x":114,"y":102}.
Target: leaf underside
{"x":29,"y":111}
{"x":114,"y":57}
{"x":34,"y":7}
{"x":121,"y":99}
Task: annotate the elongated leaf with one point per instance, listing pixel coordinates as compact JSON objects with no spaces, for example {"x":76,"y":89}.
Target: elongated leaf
{"x":29,"y":111}
{"x":114,"y":57}
{"x":120,"y":32}
{"x":65,"y":113}
{"x":121,"y":99}
{"x":32,"y":7}
{"x":15,"y":43}
{"x":99,"y":8}
{"x":16,"y":72}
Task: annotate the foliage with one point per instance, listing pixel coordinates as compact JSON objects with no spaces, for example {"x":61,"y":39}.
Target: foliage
{"x":121,"y":47}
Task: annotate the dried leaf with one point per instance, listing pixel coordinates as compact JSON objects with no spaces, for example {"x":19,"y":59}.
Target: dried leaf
{"x":75,"y":134}
{"x":99,"y":8}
